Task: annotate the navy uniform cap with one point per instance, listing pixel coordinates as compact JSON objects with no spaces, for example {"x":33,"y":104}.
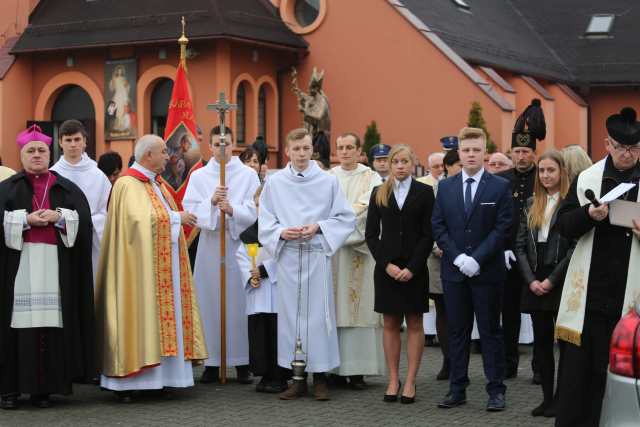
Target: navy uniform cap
{"x":379,"y":150}
{"x":449,"y":142}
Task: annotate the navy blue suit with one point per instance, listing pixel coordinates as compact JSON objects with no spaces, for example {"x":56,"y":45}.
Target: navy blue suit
{"x":480,"y":234}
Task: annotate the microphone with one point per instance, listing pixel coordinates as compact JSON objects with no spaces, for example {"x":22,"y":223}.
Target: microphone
{"x":592,"y":197}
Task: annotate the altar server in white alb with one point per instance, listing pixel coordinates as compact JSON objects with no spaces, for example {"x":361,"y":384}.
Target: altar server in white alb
{"x":207,"y":199}
{"x":79,"y":168}
{"x":304,"y":219}
{"x":259,"y":278}
{"x":359,"y":326}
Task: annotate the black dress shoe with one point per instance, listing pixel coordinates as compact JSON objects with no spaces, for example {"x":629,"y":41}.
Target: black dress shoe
{"x":9,"y":402}
{"x":41,"y":401}
{"x":406,"y":400}
{"x":453,"y":400}
{"x":124,"y":396}
{"x":260,"y":387}
{"x":337,"y":381}
{"x":539,"y":410}
{"x":393,"y":397}
{"x":275,"y":387}
{"x":243,"y":375}
{"x":210,"y":375}
{"x":356,"y":382}
{"x":496,"y":403}
{"x":551,"y":410}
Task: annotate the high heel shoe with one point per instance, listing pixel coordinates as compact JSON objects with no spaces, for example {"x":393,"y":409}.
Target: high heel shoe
{"x":393,"y":397}
{"x":408,"y":400}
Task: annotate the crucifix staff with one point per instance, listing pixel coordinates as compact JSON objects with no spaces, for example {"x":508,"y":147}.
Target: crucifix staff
{"x":221,"y":107}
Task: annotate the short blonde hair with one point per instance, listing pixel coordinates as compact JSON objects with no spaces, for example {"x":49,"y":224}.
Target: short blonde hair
{"x":297,"y":135}
{"x":471,"y":133}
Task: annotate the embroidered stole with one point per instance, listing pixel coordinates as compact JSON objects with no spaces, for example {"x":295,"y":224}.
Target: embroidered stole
{"x":164,"y":279}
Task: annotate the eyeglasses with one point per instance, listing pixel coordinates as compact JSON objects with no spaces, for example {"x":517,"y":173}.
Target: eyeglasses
{"x":633,"y":149}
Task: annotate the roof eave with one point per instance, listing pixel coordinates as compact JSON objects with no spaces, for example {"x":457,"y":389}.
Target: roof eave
{"x":267,"y":44}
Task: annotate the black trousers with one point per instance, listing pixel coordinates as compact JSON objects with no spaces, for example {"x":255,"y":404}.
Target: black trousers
{"x":511,"y":318}
{"x":463,"y":301}
{"x":263,"y":345}
{"x":543,"y":340}
{"x":584,"y":373}
{"x":441,"y":326}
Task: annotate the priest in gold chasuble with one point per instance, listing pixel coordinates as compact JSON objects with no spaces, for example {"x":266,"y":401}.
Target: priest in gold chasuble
{"x":149,"y":326}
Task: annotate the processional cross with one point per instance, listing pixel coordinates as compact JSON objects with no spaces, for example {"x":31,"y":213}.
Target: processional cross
{"x":222,"y":107}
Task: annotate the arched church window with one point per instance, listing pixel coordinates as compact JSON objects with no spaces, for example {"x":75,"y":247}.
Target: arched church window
{"x":160,"y":98}
{"x":73,"y":102}
{"x":241,"y":114}
{"x":262,"y":113}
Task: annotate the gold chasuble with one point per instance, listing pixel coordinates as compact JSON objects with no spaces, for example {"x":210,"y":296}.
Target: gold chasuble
{"x":134,"y":288}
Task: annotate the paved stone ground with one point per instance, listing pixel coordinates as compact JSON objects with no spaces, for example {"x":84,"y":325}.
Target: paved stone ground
{"x":239,"y":405}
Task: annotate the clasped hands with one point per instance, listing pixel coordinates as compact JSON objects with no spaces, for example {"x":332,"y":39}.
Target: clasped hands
{"x":399,"y":274}
{"x":220,"y":200}
{"x":467,"y":265}
{"x":305,"y":232}
{"x":43,"y":217}
{"x":541,"y":288}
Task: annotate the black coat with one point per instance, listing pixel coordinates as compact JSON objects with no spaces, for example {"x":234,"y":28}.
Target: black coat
{"x":555,"y":261}
{"x":611,"y":244}
{"x":401,"y":237}
{"x":61,"y":355}
{"x":521,"y":190}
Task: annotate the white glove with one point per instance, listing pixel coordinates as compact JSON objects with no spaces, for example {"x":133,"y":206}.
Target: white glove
{"x":508,"y":257}
{"x":459,"y":260}
{"x":470,"y":267}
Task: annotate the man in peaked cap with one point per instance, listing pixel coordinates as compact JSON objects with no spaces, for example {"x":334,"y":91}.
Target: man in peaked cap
{"x":449,"y":143}
{"x":602,"y":283}
{"x":380,"y":159}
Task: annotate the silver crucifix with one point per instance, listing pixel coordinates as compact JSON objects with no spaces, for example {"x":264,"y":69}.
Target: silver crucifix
{"x":221,"y":107}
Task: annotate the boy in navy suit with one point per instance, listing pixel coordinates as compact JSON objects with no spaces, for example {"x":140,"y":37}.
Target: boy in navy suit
{"x":471,"y":221}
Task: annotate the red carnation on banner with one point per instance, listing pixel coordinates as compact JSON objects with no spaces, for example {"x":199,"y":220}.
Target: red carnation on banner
{"x":180,"y":136}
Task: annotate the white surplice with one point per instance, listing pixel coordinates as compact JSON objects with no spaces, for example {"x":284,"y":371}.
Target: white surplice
{"x":359,"y":326}
{"x":261,"y":299}
{"x":242,"y":182}
{"x":173,"y":371}
{"x":96,"y":188}
{"x":292,"y":199}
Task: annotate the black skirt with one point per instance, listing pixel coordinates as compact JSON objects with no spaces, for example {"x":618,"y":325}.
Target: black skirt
{"x":393,"y":297}
{"x":531,"y":302}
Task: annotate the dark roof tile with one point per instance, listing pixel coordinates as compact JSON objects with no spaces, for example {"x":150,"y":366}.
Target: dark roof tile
{"x":65,"y":24}
{"x":542,"y":38}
